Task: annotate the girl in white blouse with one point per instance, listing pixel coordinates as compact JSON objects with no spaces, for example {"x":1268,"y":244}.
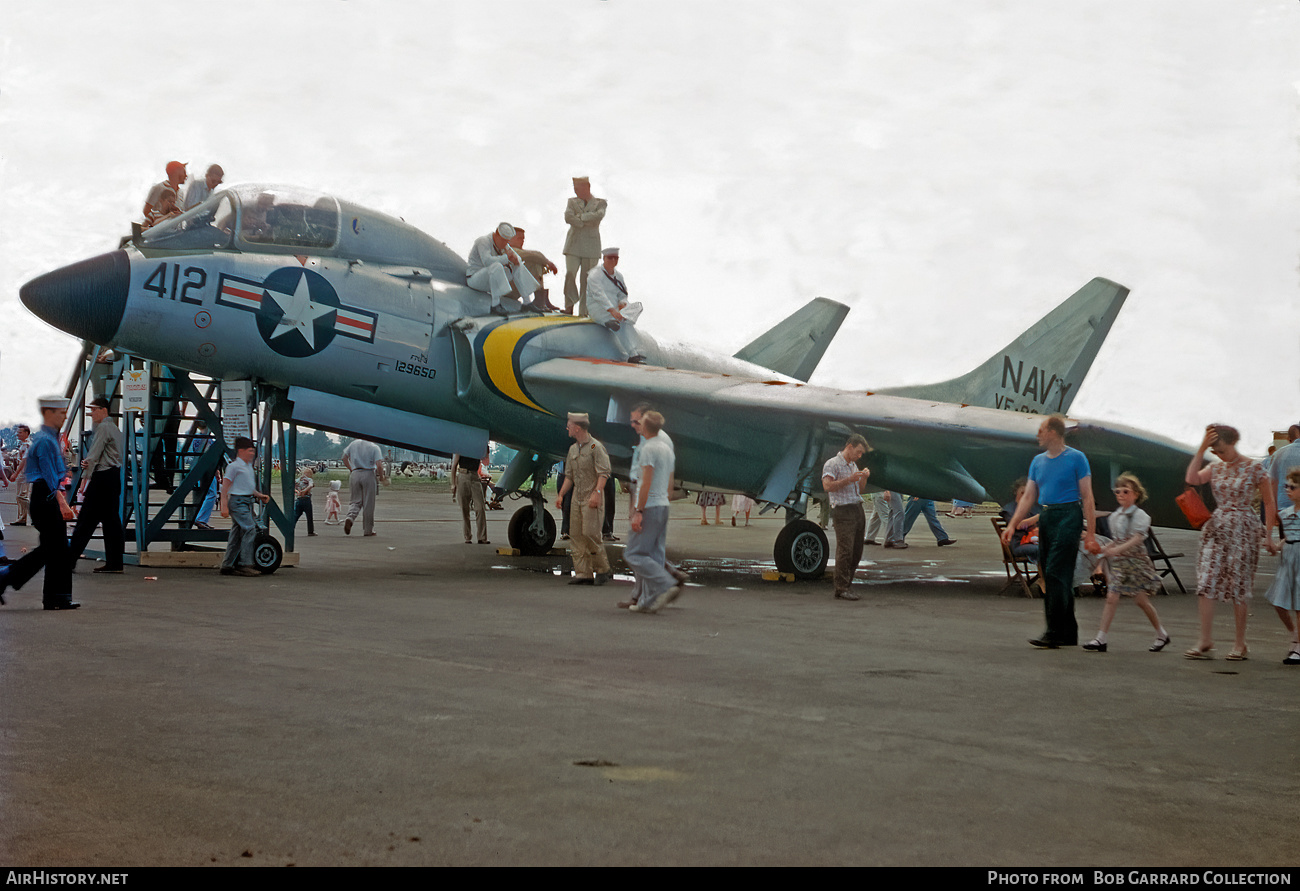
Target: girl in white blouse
{"x":1129,"y":571}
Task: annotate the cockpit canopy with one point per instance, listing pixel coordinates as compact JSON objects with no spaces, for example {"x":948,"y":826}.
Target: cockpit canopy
{"x":293,"y":220}
{"x":253,"y":218}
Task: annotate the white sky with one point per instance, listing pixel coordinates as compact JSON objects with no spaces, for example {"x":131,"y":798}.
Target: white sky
{"x":951,"y":169}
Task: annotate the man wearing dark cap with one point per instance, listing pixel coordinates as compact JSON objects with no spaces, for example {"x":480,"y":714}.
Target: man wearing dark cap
{"x":102,"y":468}
{"x":238,"y":492}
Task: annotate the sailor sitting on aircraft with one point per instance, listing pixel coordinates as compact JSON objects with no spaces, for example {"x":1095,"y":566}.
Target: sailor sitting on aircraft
{"x":607,"y":303}
{"x":494,"y":267}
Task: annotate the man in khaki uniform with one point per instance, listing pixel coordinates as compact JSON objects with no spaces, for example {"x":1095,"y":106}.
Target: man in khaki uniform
{"x":537,"y":265}
{"x":586,"y":472}
{"x":20,"y":476}
{"x":582,"y":246}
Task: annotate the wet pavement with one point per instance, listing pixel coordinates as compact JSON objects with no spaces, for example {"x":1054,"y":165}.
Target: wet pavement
{"x":409,"y":699}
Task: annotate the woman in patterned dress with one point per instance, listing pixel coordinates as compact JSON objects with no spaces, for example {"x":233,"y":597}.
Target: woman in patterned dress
{"x":713,"y":500}
{"x":1129,"y":572}
{"x":1229,"y":552}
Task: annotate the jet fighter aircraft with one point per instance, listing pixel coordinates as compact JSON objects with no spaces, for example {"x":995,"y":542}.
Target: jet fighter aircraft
{"x":368,"y":327}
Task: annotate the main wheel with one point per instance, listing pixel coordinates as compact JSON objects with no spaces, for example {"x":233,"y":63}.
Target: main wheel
{"x":802,"y":548}
{"x":267,"y":553}
{"x":522,"y":537}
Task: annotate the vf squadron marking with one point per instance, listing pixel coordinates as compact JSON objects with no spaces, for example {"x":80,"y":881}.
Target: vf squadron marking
{"x":1037,"y":383}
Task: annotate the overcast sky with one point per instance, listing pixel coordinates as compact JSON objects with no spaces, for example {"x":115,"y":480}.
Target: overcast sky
{"x":951,"y":169}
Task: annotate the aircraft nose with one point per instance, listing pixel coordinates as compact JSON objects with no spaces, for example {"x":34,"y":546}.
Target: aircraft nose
{"x":86,"y":299}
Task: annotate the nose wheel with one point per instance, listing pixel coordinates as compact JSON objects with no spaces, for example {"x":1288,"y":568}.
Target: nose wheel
{"x":524,"y":534}
{"x":802,"y":549}
{"x":267,"y":553}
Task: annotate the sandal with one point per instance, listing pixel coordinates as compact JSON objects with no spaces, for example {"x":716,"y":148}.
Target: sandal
{"x":1199,"y":653}
{"x":1238,"y":655}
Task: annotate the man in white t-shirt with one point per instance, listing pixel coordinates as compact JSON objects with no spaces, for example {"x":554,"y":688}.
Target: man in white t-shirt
{"x":238,"y":492}
{"x":365,"y":462}
{"x":648,"y":541}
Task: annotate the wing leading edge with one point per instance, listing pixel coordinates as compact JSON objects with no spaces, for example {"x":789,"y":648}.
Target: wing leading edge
{"x":732,"y":431}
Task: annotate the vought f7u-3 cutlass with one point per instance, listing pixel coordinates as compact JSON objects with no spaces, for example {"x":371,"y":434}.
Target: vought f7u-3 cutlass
{"x":367,"y":325}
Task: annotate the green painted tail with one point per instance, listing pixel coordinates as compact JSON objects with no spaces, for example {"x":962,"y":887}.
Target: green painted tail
{"x":1041,"y":370}
{"x":797,"y":344}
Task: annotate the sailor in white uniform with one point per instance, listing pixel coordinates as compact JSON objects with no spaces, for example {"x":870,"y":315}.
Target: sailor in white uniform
{"x":608,"y":304}
{"x":495,"y":267}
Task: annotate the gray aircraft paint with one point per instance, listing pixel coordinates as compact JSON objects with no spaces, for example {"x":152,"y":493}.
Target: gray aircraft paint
{"x":369,"y":322}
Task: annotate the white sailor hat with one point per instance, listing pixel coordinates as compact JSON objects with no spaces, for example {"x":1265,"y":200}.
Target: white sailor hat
{"x":506,"y":231}
{"x":609,"y":252}
{"x":52,"y":402}
{"x":579,"y":417}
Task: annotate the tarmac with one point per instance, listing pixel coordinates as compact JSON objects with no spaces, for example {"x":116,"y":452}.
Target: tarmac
{"x":409,"y":699}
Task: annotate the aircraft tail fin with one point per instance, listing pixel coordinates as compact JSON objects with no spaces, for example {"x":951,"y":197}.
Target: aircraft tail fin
{"x":797,"y":344}
{"x":1041,"y":370}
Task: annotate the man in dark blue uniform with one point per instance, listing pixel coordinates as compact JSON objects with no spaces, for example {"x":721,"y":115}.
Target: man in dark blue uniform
{"x":50,"y":513}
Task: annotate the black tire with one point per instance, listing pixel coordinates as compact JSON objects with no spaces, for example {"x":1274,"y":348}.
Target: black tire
{"x":267,"y":553}
{"x":802,"y":548}
{"x":521,"y":535}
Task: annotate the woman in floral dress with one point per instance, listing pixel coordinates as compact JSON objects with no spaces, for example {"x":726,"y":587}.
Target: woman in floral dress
{"x":1229,"y":552}
{"x":713,"y":500}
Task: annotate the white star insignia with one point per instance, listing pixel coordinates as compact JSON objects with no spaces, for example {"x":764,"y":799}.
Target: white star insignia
{"x":299,"y":312}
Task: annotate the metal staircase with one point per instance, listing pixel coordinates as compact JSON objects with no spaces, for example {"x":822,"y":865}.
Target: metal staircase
{"x":174,"y":448}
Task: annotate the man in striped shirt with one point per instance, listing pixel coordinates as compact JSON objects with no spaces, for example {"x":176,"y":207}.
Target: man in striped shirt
{"x":843,"y":482}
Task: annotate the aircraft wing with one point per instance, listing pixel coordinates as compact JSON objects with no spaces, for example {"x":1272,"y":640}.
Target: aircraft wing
{"x":760,"y":436}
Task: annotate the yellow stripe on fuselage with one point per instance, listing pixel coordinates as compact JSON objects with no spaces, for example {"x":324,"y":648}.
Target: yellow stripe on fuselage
{"x":499,"y":350}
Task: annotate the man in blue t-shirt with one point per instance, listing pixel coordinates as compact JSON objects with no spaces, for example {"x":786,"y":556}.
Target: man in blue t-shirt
{"x":1059,"y":480}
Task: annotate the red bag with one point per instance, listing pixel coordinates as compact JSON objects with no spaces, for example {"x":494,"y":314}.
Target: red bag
{"x":1193,"y":507}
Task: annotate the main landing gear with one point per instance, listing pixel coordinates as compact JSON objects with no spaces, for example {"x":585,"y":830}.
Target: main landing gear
{"x":802,"y":549}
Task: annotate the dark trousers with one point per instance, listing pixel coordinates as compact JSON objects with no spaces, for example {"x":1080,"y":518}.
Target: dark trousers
{"x":850,"y":522}
{"x":303,"y":506}
{"x":52,"y":553}
{"x":100,"y":508}
{"x":607,"y":528}
{"x":1059,"y":530}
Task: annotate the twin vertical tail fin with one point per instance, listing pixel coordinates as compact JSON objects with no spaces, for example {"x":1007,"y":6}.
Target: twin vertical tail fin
{"x":1041,"y":370}
{"x":797,"y":344}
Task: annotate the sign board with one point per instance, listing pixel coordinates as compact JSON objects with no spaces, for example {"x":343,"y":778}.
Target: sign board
{"x":135,"y":389}
{"x":235,"y":419}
